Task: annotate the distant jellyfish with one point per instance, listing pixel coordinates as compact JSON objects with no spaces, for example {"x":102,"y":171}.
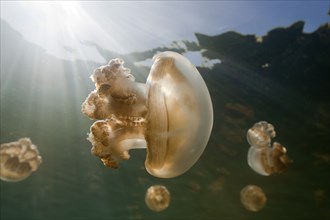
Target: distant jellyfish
{"x":171,"y":115}
{"x":260,"y":134}
{"x":157,"y":198}
{"x":263,"y":158}
{"x":18,"y":160}
{"x":253,"y":198}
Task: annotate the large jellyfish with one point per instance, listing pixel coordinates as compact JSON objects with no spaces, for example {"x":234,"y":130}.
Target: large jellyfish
{"x":157,"y":198}
{"x":171,"y":115}
{"x":263,"y":158}
{"x":18,"y":160}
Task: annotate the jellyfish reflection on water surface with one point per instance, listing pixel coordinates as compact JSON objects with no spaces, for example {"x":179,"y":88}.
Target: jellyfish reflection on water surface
{"x":262,"y":158}
{"x":18,"y":160}
{"x":171,"y":115}
{"x":157,"y":198}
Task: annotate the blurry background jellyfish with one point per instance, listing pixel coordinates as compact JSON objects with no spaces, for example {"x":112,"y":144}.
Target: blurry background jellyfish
{"x":253,"y":198}
{"x":262,"y":157}
{"x":171,"y":115}
{"x":18,"y":160}
{"x":157,"y":198}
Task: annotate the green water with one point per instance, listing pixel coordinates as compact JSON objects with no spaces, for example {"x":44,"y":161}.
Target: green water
{"x":41,"y":98}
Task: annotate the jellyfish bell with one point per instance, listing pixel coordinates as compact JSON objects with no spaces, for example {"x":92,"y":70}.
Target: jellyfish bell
{"x":157,"y":198}
{"x":171,"y":115}
{"x":180,"y":115}
{"x":253,"y":198}
{"x":18,"y":160}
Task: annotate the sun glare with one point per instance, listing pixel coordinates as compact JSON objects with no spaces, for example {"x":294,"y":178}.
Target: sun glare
{"x":59,"y":27}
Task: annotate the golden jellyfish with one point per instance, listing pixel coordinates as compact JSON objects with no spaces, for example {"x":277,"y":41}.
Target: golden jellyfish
{"x":171,"y":115}
{"x":18,"y":160}
{"x":260,"y":134}
{"x":157,"y":198}
{"x":253,"y":198}
{"x":264,"y":158}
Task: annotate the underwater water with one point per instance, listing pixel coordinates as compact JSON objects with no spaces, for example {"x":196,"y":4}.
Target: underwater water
{"x":282,"y":80}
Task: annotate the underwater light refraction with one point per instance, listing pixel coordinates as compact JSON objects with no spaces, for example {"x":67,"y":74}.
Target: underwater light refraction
{"x":171,"y":115}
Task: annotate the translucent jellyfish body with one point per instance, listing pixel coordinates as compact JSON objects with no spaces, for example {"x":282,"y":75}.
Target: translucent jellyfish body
{"x":157,"y":198}
{"x":18,"y":160}
{"x":253,"y":198}
{"x":171,"y":115}
{"x":262,"y":157}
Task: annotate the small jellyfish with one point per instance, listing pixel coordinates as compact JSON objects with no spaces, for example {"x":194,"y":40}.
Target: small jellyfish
{"x":18,"y":160}
{"x":260,"y":134}
{"x":171,"y":115}
{"x":253,"y":198}
{"x":157,"y":198}
{"x":263,"y":158}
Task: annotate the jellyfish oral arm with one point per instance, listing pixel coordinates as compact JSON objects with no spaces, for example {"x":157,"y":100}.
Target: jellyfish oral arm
{"x":113,"y":138}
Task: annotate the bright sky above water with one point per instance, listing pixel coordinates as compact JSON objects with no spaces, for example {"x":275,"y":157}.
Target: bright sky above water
{"x":128,"y":26}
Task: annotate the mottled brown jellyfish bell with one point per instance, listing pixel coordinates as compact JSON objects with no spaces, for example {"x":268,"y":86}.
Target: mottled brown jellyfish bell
{"x":157,"y":198}
{"x":18,"y":160}
{"x":253,"y":198}
{"x":171,"y":115}
{"x":263,"y":158}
